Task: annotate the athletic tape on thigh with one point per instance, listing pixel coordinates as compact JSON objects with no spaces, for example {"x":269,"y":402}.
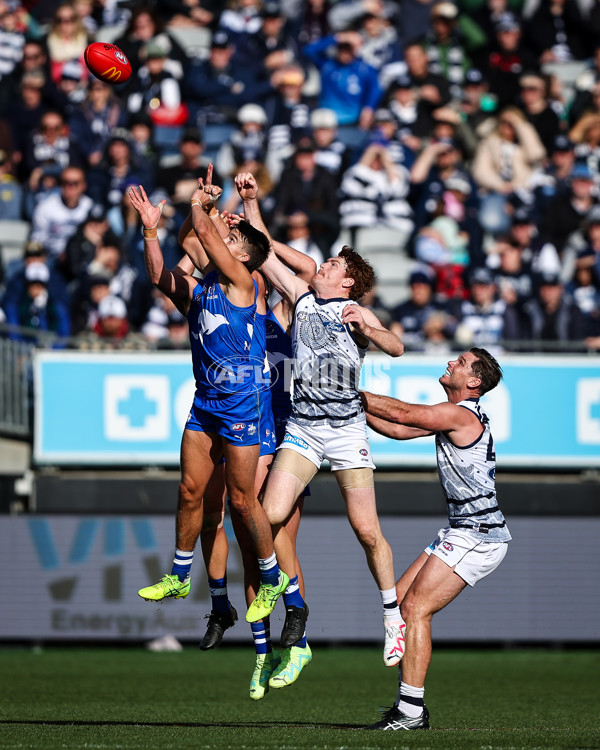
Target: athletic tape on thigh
{"x":349,"y":479}
{"x":292,"y":462}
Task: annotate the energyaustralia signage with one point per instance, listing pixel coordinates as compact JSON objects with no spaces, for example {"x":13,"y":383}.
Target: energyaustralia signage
{"x":130,"y":409}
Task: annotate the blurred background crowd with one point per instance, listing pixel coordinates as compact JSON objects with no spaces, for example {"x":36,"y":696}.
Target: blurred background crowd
{"x":454,"y":144}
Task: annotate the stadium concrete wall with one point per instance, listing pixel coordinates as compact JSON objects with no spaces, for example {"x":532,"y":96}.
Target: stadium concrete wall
{"x":83,"y":572}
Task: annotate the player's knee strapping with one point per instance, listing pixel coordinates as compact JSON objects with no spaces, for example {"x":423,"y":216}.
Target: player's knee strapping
{"x":292,"y":462}
{"x":350,"y":479}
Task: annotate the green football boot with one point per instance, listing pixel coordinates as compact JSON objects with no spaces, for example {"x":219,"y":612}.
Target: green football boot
{"x":168,"y":586}
{"x":266,"y":598}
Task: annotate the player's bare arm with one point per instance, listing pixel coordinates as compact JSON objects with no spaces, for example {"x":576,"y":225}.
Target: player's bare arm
{"x":286,"y":284}
{"x":235,"y":276}
{"x":177,"y":286}
{"x":393,"y":429}
{"x":302,"y":265}
{"x":461,"y":425}
{"x":365,"y":325}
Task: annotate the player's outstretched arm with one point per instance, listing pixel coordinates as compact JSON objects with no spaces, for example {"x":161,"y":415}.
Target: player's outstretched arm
{"x":291,"y":287}
{"x":302,"y":265}
{"x":237,"y":275}
{"x":393,"y":430}
{"x":365,"y":323}
{"x":177,"y":286}
{"x":444,"y":417}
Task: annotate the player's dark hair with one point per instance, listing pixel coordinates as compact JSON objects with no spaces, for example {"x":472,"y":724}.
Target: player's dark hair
{"x":486,"y":368}
{"x":256,"y":244}
{"x":358,"y":269}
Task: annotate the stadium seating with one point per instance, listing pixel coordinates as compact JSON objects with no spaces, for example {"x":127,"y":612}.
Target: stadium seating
{"x":13,"y":236}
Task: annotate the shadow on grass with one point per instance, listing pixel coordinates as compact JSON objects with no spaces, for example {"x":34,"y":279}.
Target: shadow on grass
{"x":191,"y":724}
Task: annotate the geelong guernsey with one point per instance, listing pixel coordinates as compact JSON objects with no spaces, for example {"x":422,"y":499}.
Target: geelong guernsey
{"x":468,"y":478}
{"x":327,"y":364}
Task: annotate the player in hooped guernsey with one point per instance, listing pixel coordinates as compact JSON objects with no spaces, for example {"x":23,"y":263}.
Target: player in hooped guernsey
{"x":327,"y":362}
{"x":330,"y":335}
{"x":476,"y":539}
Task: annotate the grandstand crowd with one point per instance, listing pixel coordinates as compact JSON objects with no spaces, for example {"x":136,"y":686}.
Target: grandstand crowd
{"x":454,"y":125}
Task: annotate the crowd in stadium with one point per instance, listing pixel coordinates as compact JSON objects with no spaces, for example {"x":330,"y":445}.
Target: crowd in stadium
{"x":448,"y":123}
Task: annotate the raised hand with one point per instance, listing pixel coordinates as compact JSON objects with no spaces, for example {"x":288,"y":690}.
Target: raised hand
{"x":149,"y":214}
{"x":207,"y":194}
{"x":246,"y":186}
{"x":352,"y":315}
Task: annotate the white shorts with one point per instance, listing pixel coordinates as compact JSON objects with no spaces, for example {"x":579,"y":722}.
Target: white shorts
{"x":471,"y":558}
{"x":344,"y":447}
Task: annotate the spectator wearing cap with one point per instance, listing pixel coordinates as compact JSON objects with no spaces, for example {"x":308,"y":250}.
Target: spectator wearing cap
{"x":504,"y":163}
{"x":555,"y":322}
{"x":349,"y":86}
{"x":554,"y":178}
{"x":118,"y":169}
{"x":484,"y":319}
{"x":66,"y":40}
{"x":156,"y":91}
{"x":112,"y":325}
{"x":511,"y":268}
{"x":35,"y":253}
{"x":413,"y":114}
{"x":111,"y":262}
{"x":584,"y":242}
{"x":534,"y":99}
{"x":409,"y":318}
{"x":445,"y":44}
{"x":305,"y":186}
{"x":385,"y":131}
{"x":507,"y":59}
{"x":380,"y":47}
{"x":374,"y":192}
{"x":71,"y":88}
{"x":96,"y":117}
{"x":180,"y":179}
{"x":56,"y":217}
{"x":145,"y":24}
{"x":288,"y":114}
{"x":475,"y":109}
{"x":539,"y":253}
{"x":440,"y":161}
{"x":251,"y":135}
{"x":81,"y":246}
{"x":564,"y":214}
{"x":215,"y":88}
{"x":272,"y":47}
{"x":36,"y":307}
{"x":330,"y":152}
{"x":584,"y":290}
{"x":557,"y":33}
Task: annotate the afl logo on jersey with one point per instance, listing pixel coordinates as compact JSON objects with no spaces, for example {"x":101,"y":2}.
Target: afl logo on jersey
{"x":363,"y":452}
{"x":238,"y":426}
{"x":447,"y":546}
{"x":492,"y":474}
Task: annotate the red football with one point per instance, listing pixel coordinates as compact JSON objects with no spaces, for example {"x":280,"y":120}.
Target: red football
{"x":107,"y":62}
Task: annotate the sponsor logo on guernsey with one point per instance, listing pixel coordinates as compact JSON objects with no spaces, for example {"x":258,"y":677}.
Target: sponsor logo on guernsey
{"x":251,"y":429}
{"x":295,"y":441}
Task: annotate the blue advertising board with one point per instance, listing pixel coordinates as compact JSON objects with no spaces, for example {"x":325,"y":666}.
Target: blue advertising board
{"x":130,"y":409}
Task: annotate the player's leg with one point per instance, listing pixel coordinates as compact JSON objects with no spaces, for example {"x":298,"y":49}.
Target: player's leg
{"x":215,"y":549}
{"x":299,"y":655}
{"x":240,"y":471}
{"x":358,"y":492}
{"x":289,"y":476}
{"x":200,"y":451}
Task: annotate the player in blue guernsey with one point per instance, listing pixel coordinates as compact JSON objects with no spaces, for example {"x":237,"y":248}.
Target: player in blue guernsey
{"x":476,"y":539}
{"x":225,"y":415}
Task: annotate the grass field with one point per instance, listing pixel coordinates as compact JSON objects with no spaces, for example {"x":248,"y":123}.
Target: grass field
{"x":132,"y":698}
